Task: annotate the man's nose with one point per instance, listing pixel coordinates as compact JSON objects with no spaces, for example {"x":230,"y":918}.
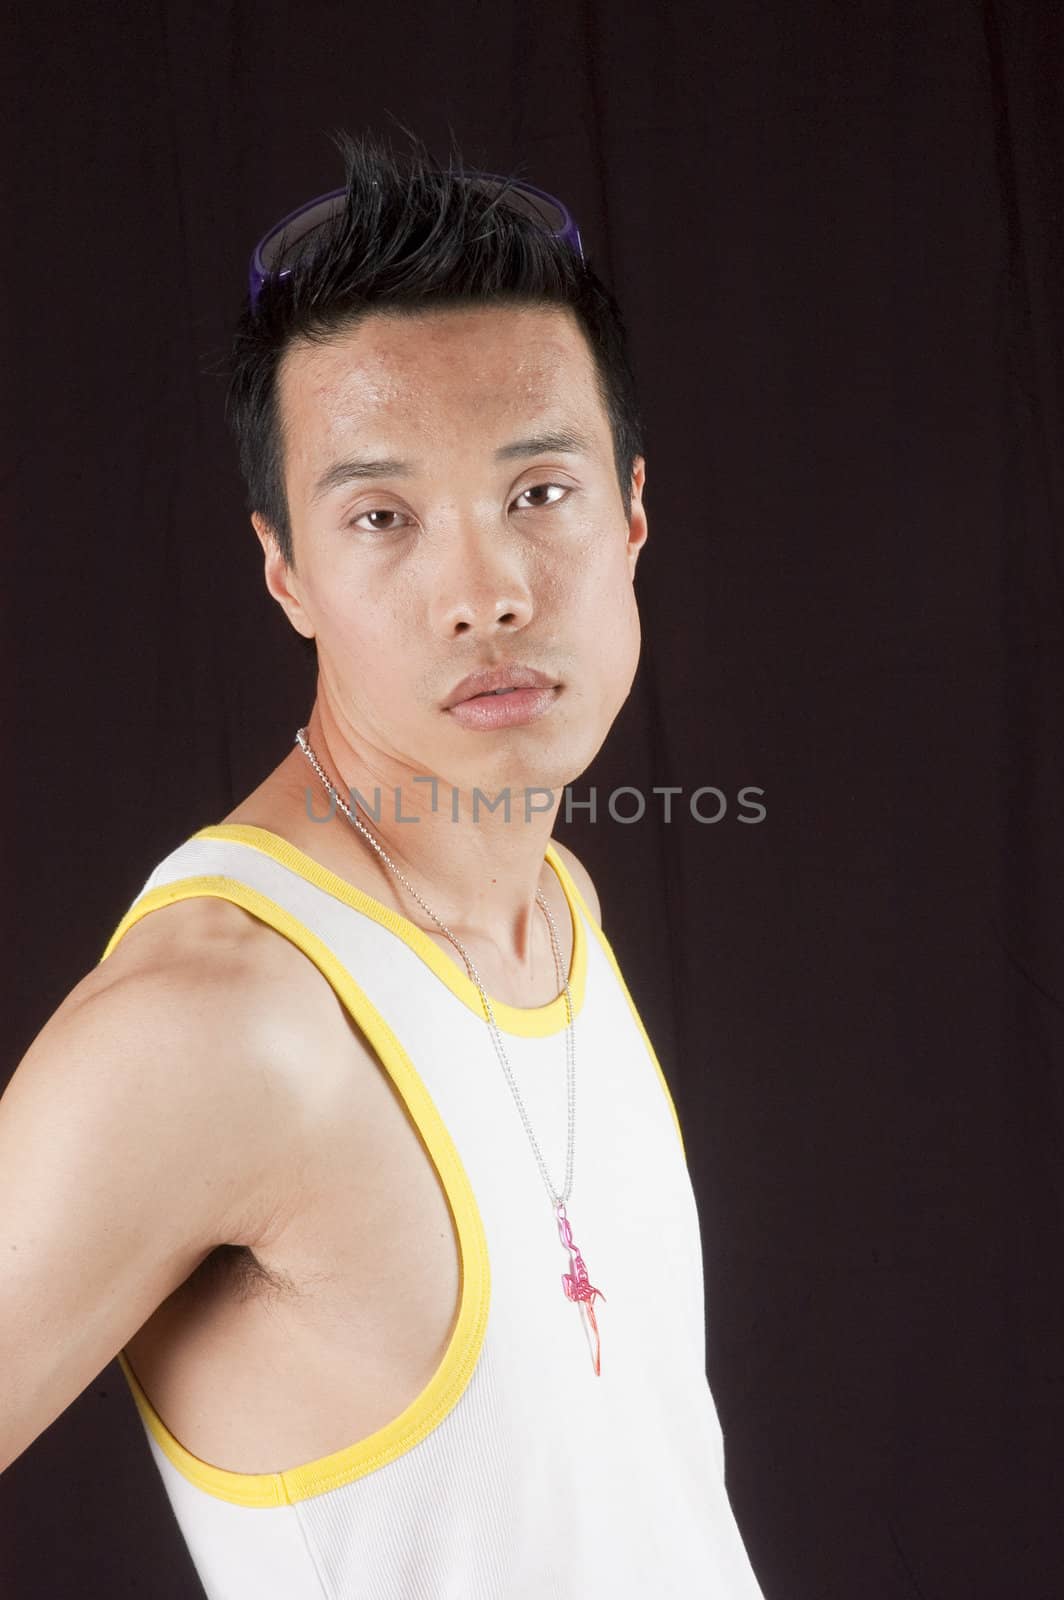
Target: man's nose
{"x":480,"y":585}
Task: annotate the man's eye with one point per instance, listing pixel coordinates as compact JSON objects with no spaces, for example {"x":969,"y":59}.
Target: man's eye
{"x":536,"y":488}
{"x":375,"y":527}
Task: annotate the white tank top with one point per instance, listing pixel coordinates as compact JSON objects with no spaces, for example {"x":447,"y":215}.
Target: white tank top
{"x":517,"y":1473}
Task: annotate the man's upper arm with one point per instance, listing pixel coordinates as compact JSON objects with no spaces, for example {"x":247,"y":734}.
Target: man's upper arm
{"x":130,"y":1146}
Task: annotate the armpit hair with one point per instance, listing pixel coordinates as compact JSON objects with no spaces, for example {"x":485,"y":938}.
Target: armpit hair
{"x":245,"y":1274}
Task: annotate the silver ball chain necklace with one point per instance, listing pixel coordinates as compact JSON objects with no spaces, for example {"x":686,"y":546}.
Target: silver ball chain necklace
{"x":576,"y":1283}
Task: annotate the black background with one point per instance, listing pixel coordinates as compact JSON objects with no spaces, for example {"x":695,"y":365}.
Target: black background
{"x":837,"y":231}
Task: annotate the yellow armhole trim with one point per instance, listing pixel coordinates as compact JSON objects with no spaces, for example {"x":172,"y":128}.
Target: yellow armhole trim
{"x":529,"y":1022}
{"x":571,"y":888}
{"x":448,"y":1382}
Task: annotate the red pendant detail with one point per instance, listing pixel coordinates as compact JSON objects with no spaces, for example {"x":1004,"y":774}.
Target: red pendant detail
{"x":576,"y":1283}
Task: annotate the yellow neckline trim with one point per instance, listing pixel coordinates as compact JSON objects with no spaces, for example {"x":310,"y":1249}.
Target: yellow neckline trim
{"x":450,"y":1379}
{"x":530,"y":1022}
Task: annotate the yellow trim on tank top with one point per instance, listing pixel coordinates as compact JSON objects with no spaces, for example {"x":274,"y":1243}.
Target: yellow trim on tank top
{"x":529,"y":1022}
{"x":451,"y":1377}
{"x":572,"y":888}
{"x":526,"y":1021}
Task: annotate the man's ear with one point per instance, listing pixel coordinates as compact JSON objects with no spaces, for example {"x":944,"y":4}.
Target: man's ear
{"x":281,"y":579}
{"x":637,"y":521}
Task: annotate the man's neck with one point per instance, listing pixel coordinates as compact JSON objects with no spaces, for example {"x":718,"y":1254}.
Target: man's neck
{"x":479,"y":876}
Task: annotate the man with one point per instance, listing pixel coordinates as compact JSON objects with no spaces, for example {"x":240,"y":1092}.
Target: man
{"x":353,"y":1147}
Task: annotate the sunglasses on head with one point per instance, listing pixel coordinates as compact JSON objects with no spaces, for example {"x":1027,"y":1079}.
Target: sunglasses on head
{"x":274,"y":255}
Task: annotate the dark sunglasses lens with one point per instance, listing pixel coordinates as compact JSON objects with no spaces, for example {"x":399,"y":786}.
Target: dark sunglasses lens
{"x":284,"y":243}
{"x":280,"y":250}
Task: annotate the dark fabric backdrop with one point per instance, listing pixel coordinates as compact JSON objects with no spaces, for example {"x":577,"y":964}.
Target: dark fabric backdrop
{"x":838,"y":233}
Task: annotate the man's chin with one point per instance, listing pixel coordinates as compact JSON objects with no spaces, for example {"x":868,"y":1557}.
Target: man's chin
{"x":519,"y":773}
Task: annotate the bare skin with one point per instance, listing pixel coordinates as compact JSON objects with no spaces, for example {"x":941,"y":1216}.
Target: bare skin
{"x":302,"y":1341}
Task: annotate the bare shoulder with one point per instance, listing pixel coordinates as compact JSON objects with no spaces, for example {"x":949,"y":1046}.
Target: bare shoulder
{"x":210,"y":956}
{"x":210,"y":1016}
{"x":581,"y":877}
{"x":190,"y":951}
{"x":176,"y":970}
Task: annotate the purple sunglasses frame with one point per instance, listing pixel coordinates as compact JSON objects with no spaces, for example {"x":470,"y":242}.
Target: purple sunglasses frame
{"x":259,"y":274}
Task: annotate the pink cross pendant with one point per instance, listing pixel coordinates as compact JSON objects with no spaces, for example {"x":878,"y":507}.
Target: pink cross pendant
{"x":576,"y":1283}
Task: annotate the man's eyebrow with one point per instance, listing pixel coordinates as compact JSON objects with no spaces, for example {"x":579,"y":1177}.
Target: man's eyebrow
{"x":565,"y":441}
{"x":559,"y":440}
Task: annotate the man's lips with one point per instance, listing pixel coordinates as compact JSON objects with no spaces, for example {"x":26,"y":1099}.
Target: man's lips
{"x":484,"y":712}
{"x":498,"y":682}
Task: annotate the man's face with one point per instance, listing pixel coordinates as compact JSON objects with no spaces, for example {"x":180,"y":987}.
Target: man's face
{"x":450,"y":549}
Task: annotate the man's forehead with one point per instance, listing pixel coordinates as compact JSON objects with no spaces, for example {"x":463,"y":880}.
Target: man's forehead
{"x":396,"y":386}
{"x":479,"y":357}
